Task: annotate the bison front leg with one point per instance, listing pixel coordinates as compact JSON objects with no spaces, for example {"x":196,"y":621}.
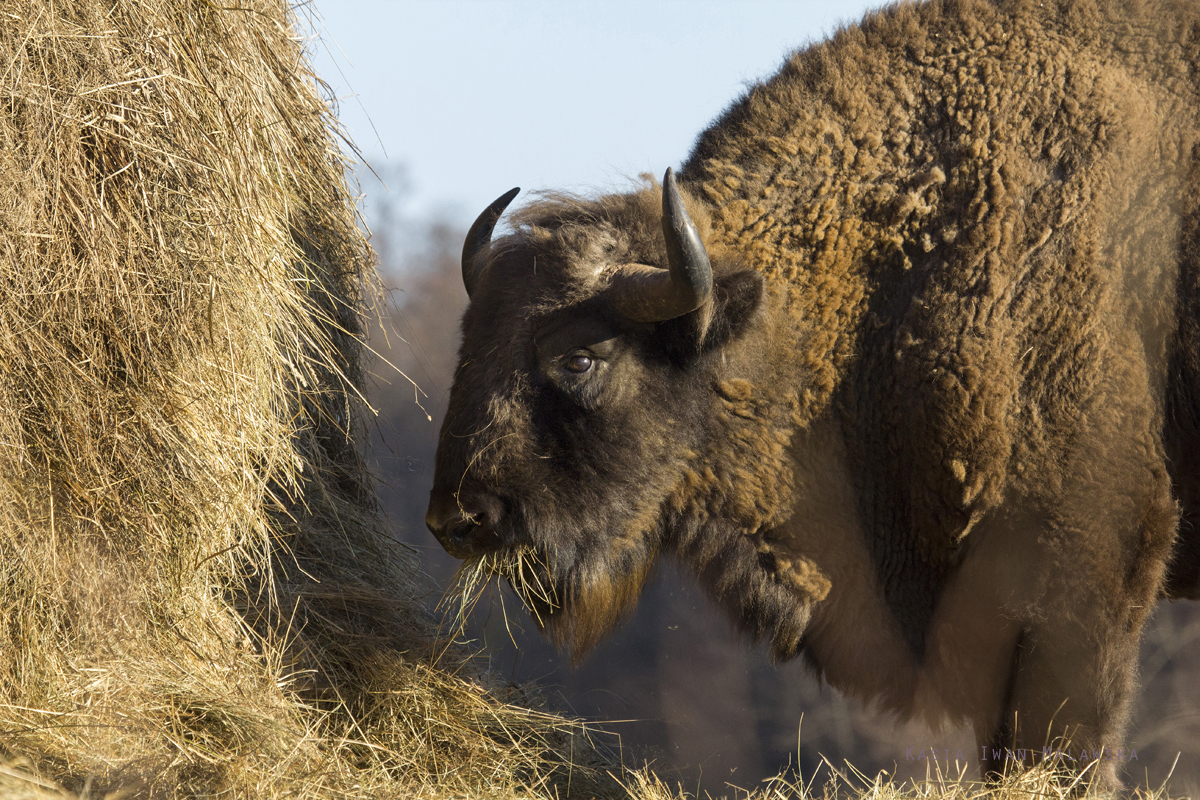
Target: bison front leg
{"x":1067,"y":698}
{"x":1101,"y":556}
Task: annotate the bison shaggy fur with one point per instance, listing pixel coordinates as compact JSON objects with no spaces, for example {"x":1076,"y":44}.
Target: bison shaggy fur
{"x":936,"y":427}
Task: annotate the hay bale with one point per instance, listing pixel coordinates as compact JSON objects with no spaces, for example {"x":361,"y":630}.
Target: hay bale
{"x":198,"y":592}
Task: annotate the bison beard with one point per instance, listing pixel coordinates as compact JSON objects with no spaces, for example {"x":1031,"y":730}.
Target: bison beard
{"x":575,"y":612}
{"x":905,"y":368}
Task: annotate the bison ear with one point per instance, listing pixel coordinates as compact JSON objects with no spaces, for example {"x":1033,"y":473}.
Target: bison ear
{"x":733,"y":307}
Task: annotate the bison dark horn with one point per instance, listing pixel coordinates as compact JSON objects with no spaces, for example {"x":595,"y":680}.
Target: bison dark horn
{"x":653,"y":295}
{"x":480,"y":236}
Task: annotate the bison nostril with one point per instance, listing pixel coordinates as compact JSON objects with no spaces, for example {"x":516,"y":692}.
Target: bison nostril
{"x":482,"y":511}
{"x":465,"y":525}
{"x":460,"y":530}
{"x":467,"y":536}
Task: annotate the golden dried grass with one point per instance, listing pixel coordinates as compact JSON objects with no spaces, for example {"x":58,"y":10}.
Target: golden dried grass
{"x":1044,"y":781}
{"x":198,"y":595}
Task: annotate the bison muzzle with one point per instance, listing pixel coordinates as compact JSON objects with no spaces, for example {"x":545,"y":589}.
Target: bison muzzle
{"x":905,"y":367}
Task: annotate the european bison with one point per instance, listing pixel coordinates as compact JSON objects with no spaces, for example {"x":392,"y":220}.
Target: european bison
{"x":906,"y":368}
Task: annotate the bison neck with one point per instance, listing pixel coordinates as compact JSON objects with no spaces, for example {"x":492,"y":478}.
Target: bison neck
{"x":796,"y":566}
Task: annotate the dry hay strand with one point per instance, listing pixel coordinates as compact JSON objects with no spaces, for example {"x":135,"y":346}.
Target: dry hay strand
{"x":525,"y":571}
{"x":944,"y":780}
{"x":198,"y":593}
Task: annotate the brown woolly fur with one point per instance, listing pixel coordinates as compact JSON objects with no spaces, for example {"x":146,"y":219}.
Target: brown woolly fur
{"x":937,"y":422}
{"x":199,"y":596}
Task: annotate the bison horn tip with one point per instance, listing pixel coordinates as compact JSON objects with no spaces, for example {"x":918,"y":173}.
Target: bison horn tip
{"x":480,"y":236}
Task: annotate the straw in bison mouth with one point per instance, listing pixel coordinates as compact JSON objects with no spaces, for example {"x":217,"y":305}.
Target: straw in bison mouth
{"x":527,"y":572}
{"x":572,"y":609}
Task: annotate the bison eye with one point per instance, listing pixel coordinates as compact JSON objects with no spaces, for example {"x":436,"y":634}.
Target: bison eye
{"x":577,"y":363}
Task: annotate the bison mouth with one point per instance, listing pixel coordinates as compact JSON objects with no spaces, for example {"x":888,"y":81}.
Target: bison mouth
{"x":527,"y":571}
{"x":574,"y":608}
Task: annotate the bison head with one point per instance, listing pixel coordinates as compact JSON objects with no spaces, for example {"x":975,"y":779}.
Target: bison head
{"x":594,"y":418}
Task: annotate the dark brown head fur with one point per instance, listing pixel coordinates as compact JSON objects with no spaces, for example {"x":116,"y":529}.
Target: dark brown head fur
{"x":598,"y":472}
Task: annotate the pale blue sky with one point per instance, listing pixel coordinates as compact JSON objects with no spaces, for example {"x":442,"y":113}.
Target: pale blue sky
{"x":473,"y":97}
